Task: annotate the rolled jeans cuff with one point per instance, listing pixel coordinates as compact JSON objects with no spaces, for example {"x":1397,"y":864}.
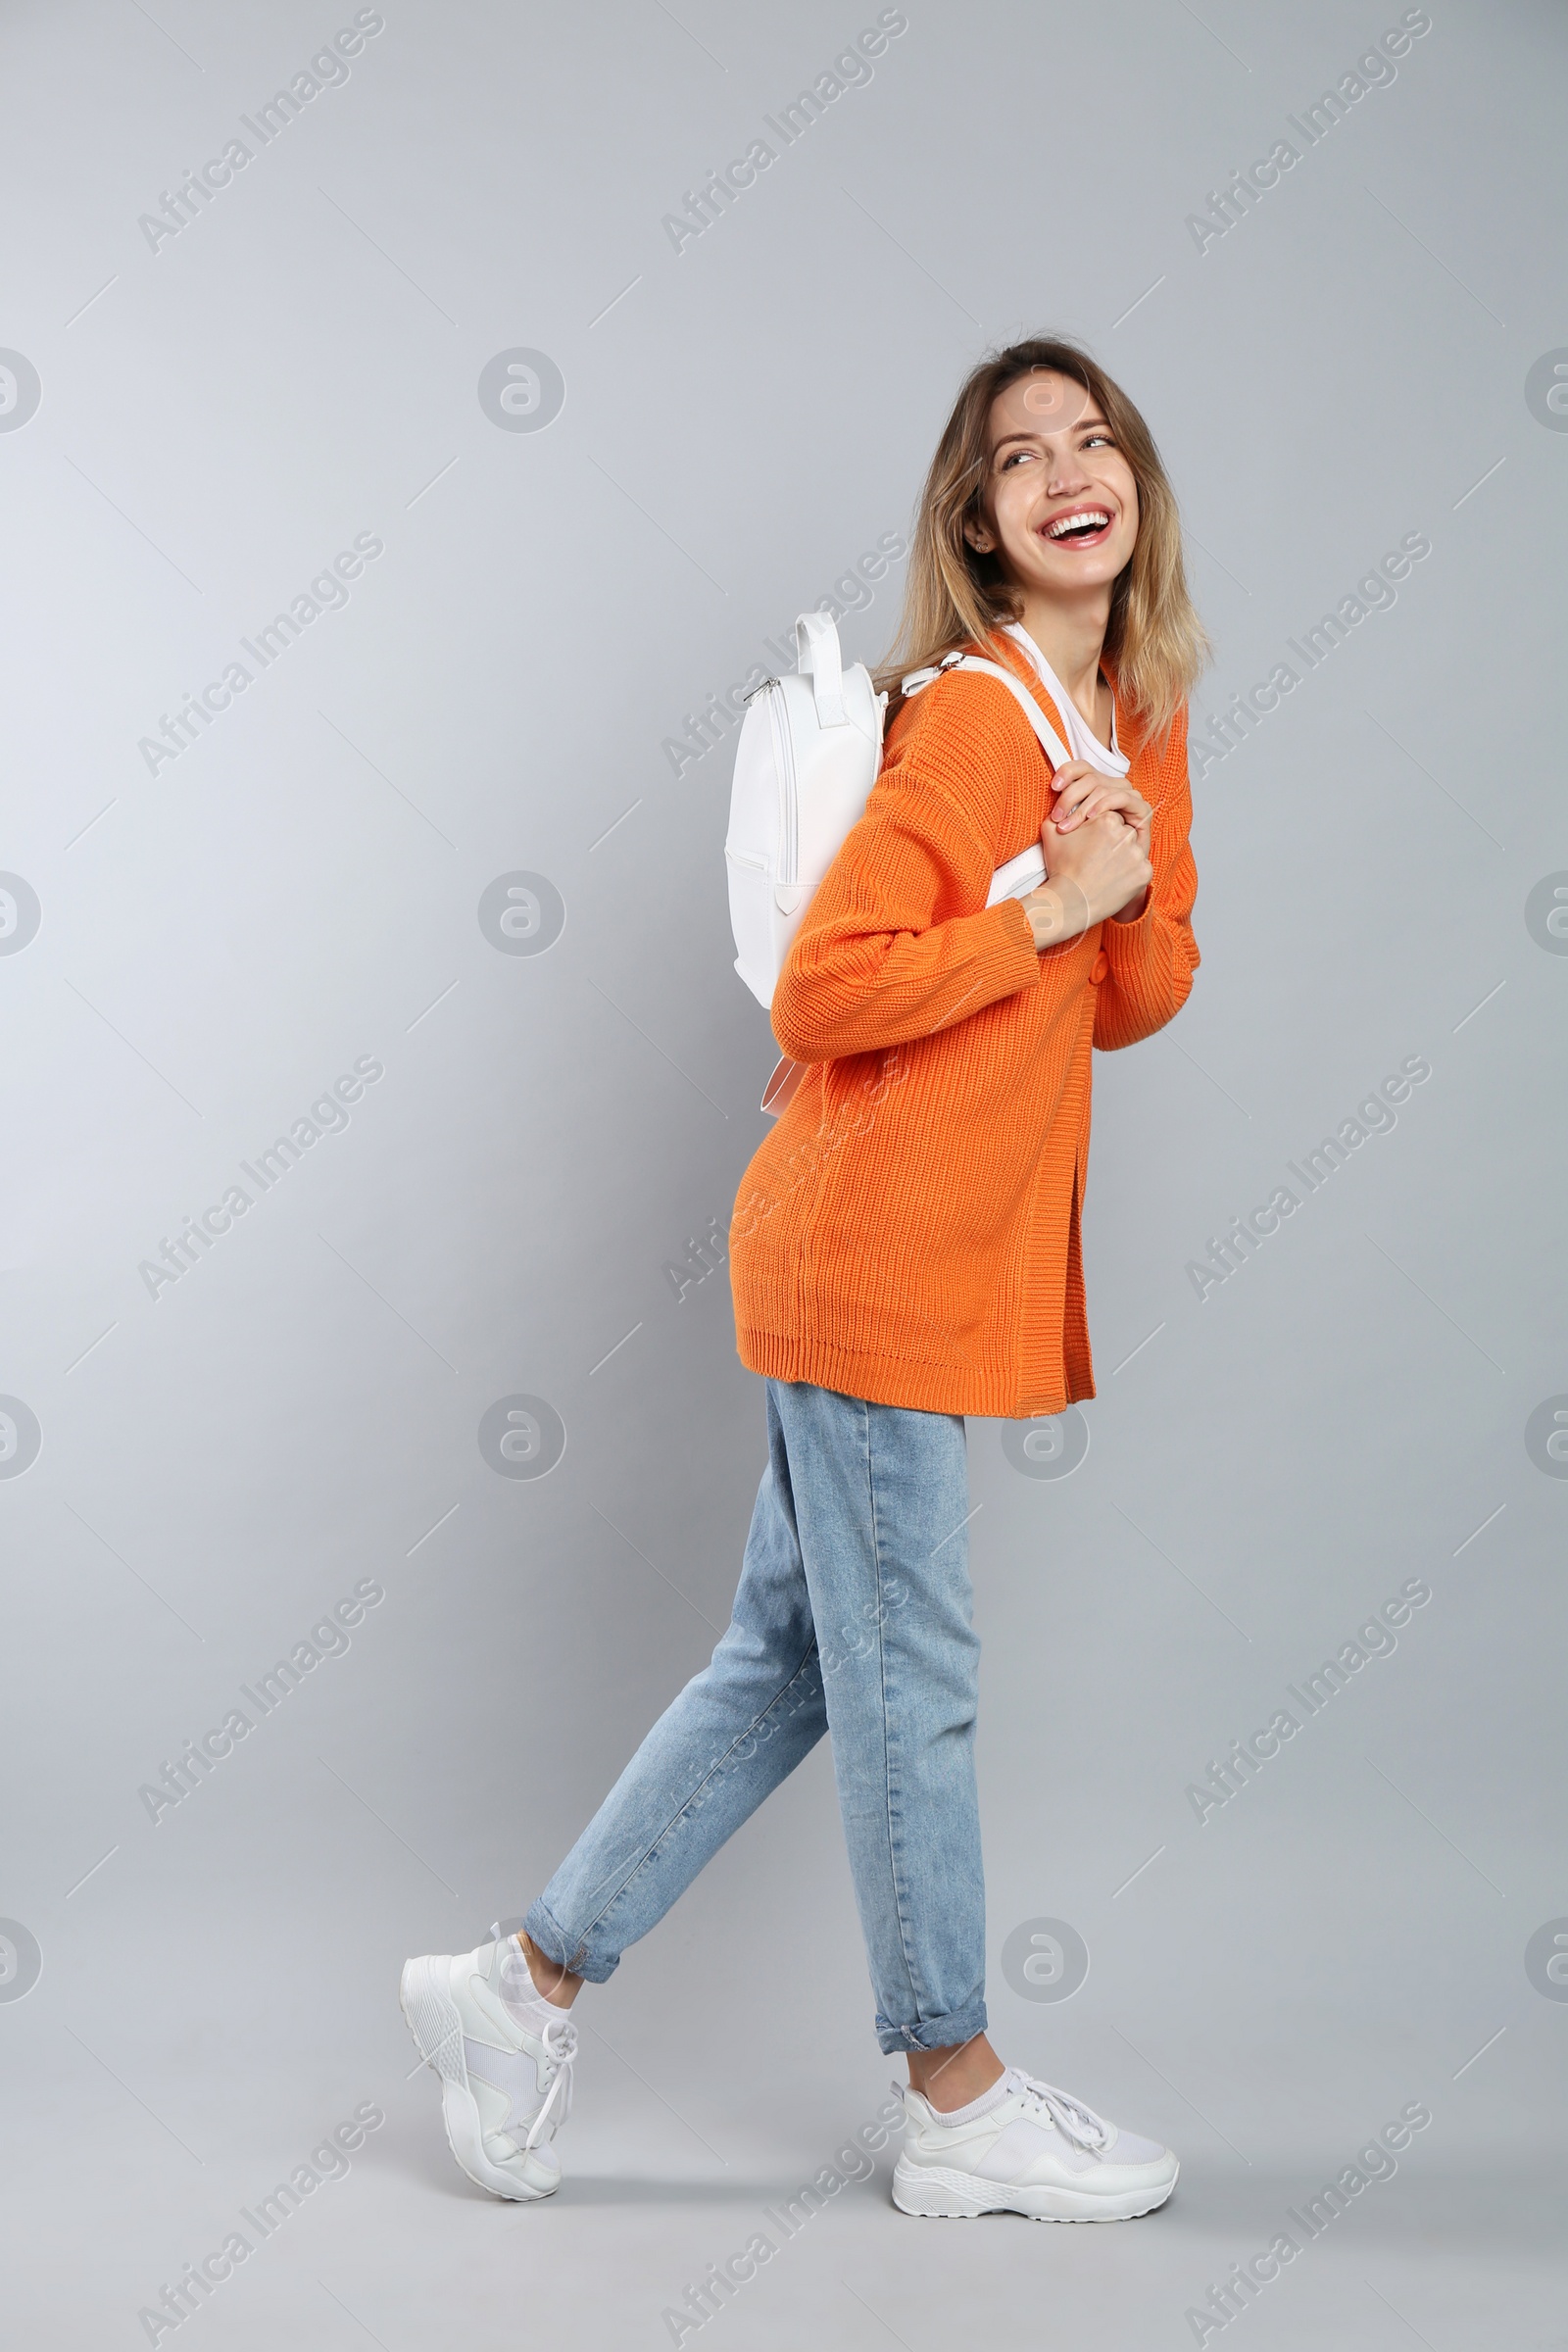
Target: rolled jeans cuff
{"x":931,"y":2033}
{"x":542,"y":1929}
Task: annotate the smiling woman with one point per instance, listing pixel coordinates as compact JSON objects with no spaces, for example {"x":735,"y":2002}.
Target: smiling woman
{"x":935,"y":1263}
{"x":1052,"y":403}
{"x":906,"y":1250}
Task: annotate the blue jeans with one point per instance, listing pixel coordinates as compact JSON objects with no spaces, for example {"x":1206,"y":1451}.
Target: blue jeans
{"x":853,"y":1615}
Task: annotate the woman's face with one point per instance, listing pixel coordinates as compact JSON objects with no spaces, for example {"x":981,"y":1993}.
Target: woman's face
{"x":1060,"y":502}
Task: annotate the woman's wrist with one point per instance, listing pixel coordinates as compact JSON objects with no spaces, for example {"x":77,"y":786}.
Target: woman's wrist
{"x":1057,"y":912}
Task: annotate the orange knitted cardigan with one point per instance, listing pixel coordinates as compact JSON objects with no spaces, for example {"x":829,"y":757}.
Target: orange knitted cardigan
{"x":908,"y":1232}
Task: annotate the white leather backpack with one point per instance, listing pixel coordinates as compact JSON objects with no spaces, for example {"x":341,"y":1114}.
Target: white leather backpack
{"x":808,"y":752}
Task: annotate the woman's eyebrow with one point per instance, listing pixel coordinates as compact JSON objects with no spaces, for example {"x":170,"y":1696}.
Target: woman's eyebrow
{"x":1085,"y":424}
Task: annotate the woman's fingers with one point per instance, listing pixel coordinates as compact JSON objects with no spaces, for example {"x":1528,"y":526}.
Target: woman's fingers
{"x":1105,"y":800}
{"x":1086,"y":793}
{"x":1071,"y":781}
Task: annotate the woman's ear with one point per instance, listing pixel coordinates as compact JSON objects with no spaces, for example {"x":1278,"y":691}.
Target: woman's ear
{"x":979,"y":538}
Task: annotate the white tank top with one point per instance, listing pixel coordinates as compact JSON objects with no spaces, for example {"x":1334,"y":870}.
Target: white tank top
{"x":1082,"y":742}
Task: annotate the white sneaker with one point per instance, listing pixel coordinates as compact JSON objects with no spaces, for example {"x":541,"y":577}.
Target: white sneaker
{"x":1038,"y":2151}
{"x":506,"y":2088}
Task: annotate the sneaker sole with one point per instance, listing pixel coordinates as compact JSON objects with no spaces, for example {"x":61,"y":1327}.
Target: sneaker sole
{"x":433,"y":2019}
{"x":937,"y":2195}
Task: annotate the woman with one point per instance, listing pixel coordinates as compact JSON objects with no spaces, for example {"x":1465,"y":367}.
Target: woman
{"x":905,"y":1251}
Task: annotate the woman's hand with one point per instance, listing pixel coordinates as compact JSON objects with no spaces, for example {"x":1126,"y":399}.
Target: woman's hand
{"x":1084,"y":793}
{"x":1093,"y":869}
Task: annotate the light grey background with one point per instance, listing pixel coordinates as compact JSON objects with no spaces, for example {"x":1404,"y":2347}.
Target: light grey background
{"x":300,"y":888}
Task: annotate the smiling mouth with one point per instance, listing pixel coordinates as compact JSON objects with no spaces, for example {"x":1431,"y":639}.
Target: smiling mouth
{"x":1086,"y":527}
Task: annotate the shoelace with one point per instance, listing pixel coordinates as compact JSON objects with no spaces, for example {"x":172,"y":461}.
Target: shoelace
{"x":1072,"y":2119}
{"x":559,"y":2049}
{"x":560,"y":2039}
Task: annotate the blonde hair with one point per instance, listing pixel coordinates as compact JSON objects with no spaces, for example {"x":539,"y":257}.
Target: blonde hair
{"x":953,"y":595}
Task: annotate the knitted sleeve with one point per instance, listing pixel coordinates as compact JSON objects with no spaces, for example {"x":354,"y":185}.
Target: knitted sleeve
{"x":1152,"y":960}
{"x":898,"y":939}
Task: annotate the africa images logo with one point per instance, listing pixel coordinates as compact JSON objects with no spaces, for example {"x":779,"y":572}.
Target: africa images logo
{"x":851,"y":70}
{"x":327,"y":1115}
{"x":328,"y":70}
{"x":327,"y":593}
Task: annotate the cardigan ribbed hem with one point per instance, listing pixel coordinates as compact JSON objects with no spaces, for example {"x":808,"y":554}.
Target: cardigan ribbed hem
{"x":922,"y":1387}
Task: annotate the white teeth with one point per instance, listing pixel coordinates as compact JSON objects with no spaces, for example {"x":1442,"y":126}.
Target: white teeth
{"x":1067,"y":522}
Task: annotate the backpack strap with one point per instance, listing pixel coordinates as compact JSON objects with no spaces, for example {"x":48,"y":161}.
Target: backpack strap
{"x":1025,"y":872}
{"x":817,"y":658}
{"x":1051,"y":742}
